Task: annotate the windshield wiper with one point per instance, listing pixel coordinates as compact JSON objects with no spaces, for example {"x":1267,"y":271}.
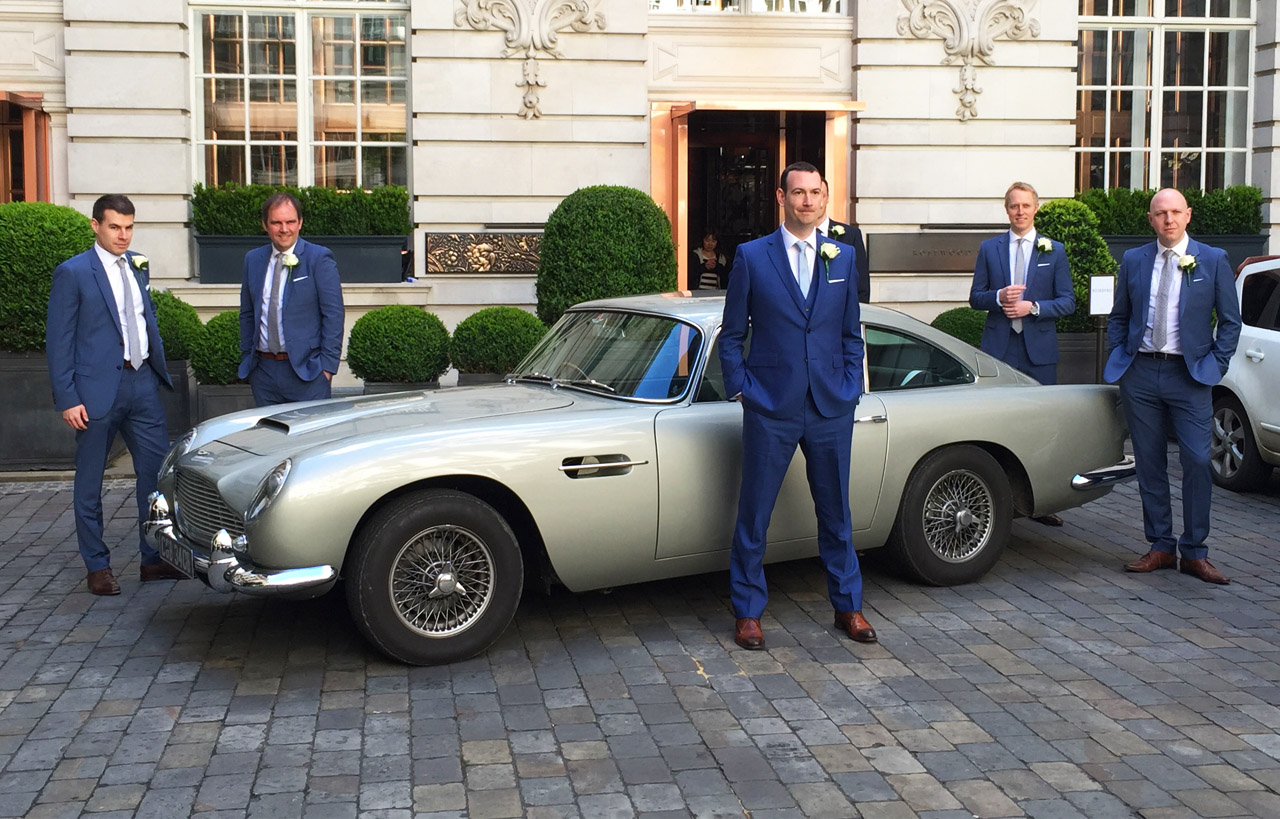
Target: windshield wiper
{"x":535,"y":376}
{"x":589,"y":382}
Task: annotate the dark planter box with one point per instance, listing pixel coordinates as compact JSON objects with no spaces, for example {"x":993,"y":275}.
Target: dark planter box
{"x":34,"y":434}
{"x":1238,"y":247}
{"x":179,"y":405}
{"x":384,"y":387}
{"x":468,"y":379}
{"x":1077,"y":358}
{"x":361,"y":259}
{"x":213,"y":400}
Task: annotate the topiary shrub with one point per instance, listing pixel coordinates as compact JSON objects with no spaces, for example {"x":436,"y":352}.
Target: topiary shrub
{"x":399,"y":343}
{"x":963,"y":323}
{"x":178,"y":323}
{"x":236,"y":210}
{"x":215,"y":352}
{"x":35,"y":237}
{"x":1073,"y":224}
{"x":603,"y":241}
{"x":494,"y":340}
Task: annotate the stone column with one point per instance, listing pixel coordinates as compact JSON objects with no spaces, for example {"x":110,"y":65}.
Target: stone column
{"x":1266,"y":118}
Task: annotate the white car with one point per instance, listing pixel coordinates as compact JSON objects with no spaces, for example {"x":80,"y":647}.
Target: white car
{"x":1246,"y":405}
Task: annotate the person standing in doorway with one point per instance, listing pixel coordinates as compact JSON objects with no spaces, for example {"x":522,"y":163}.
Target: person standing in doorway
{"x":850,"y":235}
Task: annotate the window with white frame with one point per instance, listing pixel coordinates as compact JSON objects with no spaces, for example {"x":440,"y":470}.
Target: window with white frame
{"x":312,"y":95}
{"x":1164,"y":93}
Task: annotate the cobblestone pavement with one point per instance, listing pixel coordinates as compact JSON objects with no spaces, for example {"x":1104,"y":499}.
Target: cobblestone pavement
{"x":1057,"y":687}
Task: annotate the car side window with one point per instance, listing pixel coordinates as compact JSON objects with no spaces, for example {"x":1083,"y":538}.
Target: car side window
{"x":897,"y":361}
{"x":711,"y":387}
{"x":1260,"y":300}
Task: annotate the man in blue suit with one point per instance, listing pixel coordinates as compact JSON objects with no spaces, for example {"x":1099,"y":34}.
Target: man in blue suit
{"x":1166,"y":356}
{"x":106,"y":364}
{"x":291,"y":312}
{"x":847,"y":234}
{"x":797,"y":294}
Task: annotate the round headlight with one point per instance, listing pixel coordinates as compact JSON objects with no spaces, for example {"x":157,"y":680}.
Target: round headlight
{"x":180,"y":448}
{"x":268,"y":488}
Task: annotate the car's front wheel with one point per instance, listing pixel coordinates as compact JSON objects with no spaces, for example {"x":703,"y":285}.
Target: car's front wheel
{"x":954,"y":519}
{"x":1233,"y":454}
{"x":434,"y":577}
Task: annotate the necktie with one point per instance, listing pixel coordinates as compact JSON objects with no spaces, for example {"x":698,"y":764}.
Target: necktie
{"x":804,"y":270}
{"x":1160,"y":321}
{"x":130,"y":315}
{"x":274,"y":344}
{"x":1019,"y":277}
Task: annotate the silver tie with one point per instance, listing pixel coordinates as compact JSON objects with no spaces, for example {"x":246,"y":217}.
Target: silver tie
{"x":804,"y":270}
{"x":274,"y":344}
{"x":1160,"y":320}
{"x":130,"y":315}
{"x":1019,"y":277}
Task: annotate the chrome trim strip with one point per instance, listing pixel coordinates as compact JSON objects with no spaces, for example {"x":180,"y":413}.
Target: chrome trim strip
{"x":599,"y":465}
{"x":872,"y":419}
{"x":1106,"y":476}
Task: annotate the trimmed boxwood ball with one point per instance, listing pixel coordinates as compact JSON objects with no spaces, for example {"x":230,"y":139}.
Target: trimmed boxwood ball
{"x":398,"y":343}
{"x":603,"y":241}
{"x":1073,"y":224}
{"x":215,"y":352}
{"x":178,"y":323}
{"x":35,"y":237}
{"x":963,"y":323}
{"x":494,"y":340}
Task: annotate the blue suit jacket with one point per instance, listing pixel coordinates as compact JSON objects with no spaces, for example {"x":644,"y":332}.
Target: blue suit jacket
{"x":1209,"y":286}
{"x":1048,"y":283}
{"x":792,"y":351}
{"x":312,"y":313}
{"x":84,"y":341}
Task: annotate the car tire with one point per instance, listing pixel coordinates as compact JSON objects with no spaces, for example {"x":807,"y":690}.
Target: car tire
{"x":953,"y":522}
{"x":434,"y":577}
{"x":1233,"y":453}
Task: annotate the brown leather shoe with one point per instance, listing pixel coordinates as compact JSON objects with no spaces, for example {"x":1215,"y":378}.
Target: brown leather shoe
{"x":747,"y":633}
{"x":856,"y":626}
{"x":1151,"y":561}
{"x":1048,"y":520}
{"x":103,"y":582}
{"x":1204,"y":570}
{"x":159,"y":571}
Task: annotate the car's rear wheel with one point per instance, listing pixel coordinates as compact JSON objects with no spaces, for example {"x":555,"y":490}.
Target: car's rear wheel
{"x":953,"y":522}
{"x":434,"y":577}
{"x":1233,"y":454}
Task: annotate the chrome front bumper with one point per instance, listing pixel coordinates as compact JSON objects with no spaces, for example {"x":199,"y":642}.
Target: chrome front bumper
{"x":1107,"y":476}
{"x":226,"y":566}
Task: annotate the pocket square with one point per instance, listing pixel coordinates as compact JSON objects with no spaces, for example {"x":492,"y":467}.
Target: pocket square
{"x":834,"y":281}
{"x":1193,"y":281}
{"x":300,"y":278}
{"x":1044,"y":264}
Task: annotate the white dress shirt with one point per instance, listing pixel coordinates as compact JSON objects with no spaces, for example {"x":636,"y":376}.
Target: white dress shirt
{"x":1027,"y":249}
{"x":110,"y":264}
{"x":1172,"y":338}
{"x":811,"y":253}
{"x":268,"y":285}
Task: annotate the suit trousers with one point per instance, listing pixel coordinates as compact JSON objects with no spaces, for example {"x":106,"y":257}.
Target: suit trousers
{"x":1015,"y":355}
{"x":275,"y":382}
{"x":1153,"y":391}
{"x":768,"y":445}
{"x":138,"y":415}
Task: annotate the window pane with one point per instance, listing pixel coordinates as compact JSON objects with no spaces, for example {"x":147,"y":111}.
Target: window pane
{"x":1128,"y":169}
{"x":1222,"y":169}
{"x":384,"y":165}
{"x":1131,"y":57}
{"x":223,"y":109}
{"x":1225,"y":112}
{"x":1184,"y":58}
{"x":333,"y":46}
{"x":277,"y":91}
{"x":383,"y":108}
{"x":1180,"y":169}
{"x":274,"y":164}
{"x":336,"y":166}
{"x":1183,"y":114}
{"x":1092,"y":65}
{"x":335,"y":107}
{"x":1184,"y":8}
{"x":1090,"y":169}
{"x":1132,"y":8}
{"x":271,"y":45}
{"x":224,"y":163}
{"x":1130,"y":127}
{"x":1229,"y":58}
{"x":1098,"y":7}
{"x":1091,"y":118}
{"x":382,"y":46}
{"x":223,"y":44}
{"x":1229,"y":8}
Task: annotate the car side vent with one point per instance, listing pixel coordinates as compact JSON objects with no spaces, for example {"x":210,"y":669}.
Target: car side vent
{"x":598,"y":466}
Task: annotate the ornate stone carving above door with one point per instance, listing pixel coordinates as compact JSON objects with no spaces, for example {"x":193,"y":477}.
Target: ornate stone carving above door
{"x":969,"y":30}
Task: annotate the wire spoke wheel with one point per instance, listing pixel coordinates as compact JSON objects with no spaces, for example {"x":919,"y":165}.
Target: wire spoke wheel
{"x":442,"y":581}
{"x":957,"y":515}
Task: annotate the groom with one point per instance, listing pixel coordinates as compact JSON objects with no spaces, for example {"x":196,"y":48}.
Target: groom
{"x":798,"y":386}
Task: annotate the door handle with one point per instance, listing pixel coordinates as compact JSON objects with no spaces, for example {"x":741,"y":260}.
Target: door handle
{"x":872,"y":419}
{"x":1256,"y":355}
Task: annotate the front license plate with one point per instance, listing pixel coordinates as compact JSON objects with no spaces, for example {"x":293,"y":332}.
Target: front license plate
{"x":179,"y":557}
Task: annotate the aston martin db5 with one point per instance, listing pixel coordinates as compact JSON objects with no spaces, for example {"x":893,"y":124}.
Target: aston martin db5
{"x":611,"y":456}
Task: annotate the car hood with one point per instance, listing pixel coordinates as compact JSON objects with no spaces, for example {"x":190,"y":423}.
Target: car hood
{"x":314,"y":424}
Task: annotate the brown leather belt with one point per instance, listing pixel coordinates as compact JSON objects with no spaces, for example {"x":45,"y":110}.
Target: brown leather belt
{"x":274,"y":356}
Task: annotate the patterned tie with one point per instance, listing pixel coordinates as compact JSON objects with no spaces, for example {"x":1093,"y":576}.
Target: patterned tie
{"x":1019,"y":276}
{"x":1160,"y":321}
{"x":804,"y":270}
{"x":130,"y":315}
{"x":274,"y":344}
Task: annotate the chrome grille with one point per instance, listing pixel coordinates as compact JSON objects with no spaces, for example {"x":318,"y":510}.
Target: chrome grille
{"x":201,"y":511}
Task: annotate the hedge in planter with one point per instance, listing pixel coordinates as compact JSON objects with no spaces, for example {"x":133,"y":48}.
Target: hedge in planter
{"x":603,"y":241}
{"x":494,"y":340}
{"x":963,"y":323}
{"x":398,"y":343}
{"x":236,"y":210}
{"x":35,"y":237}
{"x":1073,"y":224}
{"x":215,"y":354}
{"x":1235,"y":210}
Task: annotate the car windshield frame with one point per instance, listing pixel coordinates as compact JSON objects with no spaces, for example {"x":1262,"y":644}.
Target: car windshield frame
{"x":591,"y":333}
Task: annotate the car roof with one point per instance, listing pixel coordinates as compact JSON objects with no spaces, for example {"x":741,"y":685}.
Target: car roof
{"x":702,"y":307}
{"x":1255,"y":263}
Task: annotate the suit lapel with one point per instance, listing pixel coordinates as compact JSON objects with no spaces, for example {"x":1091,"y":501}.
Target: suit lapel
{"x":1142,"y":298}
{"x":1031,"y":262}
{"x":104,"y":286}
{"x":1002,"y":247}
{"x":1193,"y":249}
{"x":780,"y":255}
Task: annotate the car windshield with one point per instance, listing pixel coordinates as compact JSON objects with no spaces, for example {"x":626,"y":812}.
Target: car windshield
{"x":629,"y":355}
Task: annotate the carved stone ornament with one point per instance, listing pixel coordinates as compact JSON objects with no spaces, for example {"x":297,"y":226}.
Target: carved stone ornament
{"x":532,"y":28}
{"x":483,"y":252}
{"x":969,"y":30}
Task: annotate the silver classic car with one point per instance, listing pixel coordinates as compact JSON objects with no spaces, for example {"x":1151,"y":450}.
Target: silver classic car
{"x":611,"y":456}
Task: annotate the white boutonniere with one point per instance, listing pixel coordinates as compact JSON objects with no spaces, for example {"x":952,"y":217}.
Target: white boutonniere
{"x":836,"y":230}
{"x":139,"y":261}
{"x":289,"y":260}
{"x":1044,"y":244}
{"x":1186,"y":264}
{"x":828,"y":251}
